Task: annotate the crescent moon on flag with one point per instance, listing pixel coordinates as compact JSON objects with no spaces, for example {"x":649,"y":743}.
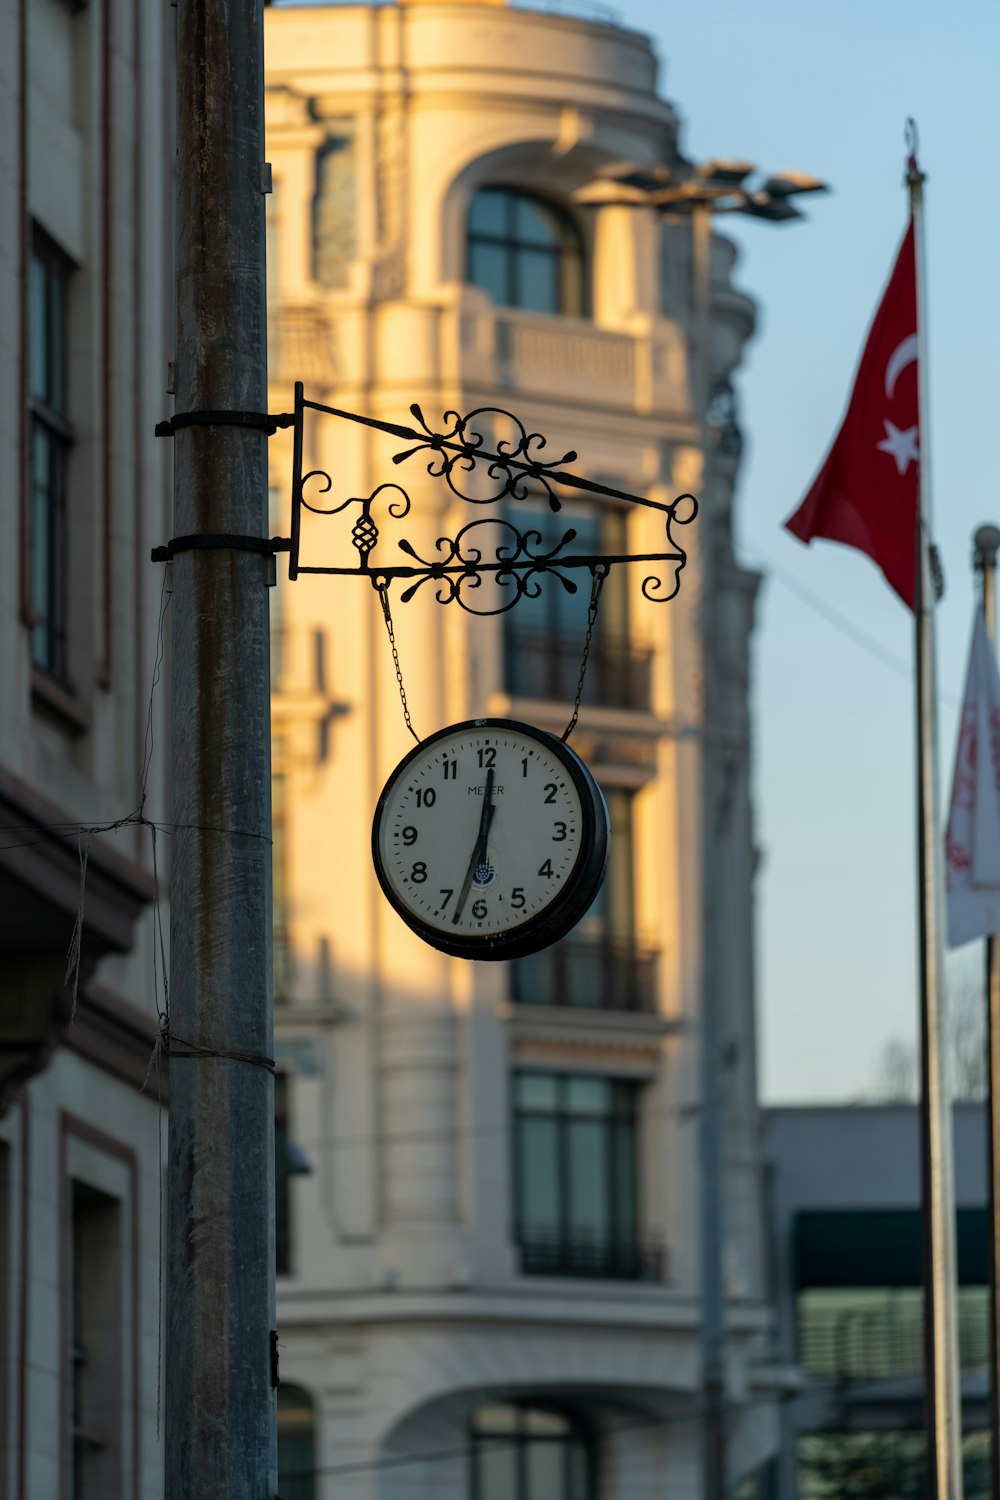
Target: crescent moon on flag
{"x":903,"y":355}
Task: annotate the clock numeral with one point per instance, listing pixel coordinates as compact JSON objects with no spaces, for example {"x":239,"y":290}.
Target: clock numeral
{"x":524,"y":765}
{"x":451,"y":770}
{"x":550,"y":787}
{"x":479,"y":909}
{"x":487,"y":757}
{"x":546,"y":869}
{"x":409,"y":835}
{"x":446,"y":896}
{"x":517,"y":897}
{"x":558,"y":837}
{"x":419,"y":873}
{"x":426,"y":796}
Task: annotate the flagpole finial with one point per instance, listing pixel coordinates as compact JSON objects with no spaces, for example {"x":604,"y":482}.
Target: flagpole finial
{"x":986,"y":544}
{"x":912,"y":140}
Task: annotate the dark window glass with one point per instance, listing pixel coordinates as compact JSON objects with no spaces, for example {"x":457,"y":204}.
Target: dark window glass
{"x":522,"y":1452}
{"x":282,"y":1205}
{"x":296,"y":1444}
{"x":575,"y":1175}
{"x":525,"y":252}
{"x":544,"y":636}
{"x":50,"y":440}
{"x":489,"y":268}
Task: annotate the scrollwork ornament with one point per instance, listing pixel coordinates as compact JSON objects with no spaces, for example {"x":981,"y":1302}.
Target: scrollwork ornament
{"x":681,"y":511}
{"x":462,"y":450}
{"x":516,"y":564}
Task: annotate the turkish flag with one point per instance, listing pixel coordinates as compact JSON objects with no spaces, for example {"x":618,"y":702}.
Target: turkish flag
{"x":866,"y":493}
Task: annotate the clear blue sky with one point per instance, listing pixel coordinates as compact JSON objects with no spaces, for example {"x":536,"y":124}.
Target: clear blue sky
{"x":827,"y":88}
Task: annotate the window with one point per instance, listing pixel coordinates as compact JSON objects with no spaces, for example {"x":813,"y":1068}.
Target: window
{"x":95,"y":1450}
{"x":544,"y":637}
{"x":280,"y":946}
{"x":289,"y":1161}
{"x":282,"y":1205}
{"x":50,"y":438}
{"x":296,"y":1444}
{"x":576,"y":1180}
{"x":525,"y":252}
{"x":524,"y":1452}
{"x":600,"y":966}
{"x":335,"y":213}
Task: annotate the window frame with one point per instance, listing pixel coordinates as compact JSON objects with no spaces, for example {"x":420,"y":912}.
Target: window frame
{"x":617,"y":1253}
{"x":47,"y":423}
{"x":578,"y":1437}
{"x":566,"y":250}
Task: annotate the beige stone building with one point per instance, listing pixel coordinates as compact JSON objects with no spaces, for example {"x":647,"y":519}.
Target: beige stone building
{"x":84,"y":495}
{"x":489,"y":1257}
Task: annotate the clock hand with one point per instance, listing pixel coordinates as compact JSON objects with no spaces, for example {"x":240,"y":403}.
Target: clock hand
{"x":479,"y":852}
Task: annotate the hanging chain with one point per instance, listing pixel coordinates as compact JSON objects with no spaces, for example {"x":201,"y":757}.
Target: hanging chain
{"x":600,"y":571}
{"x":382,"y":587}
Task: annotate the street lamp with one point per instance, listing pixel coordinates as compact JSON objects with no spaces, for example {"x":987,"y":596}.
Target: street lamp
{"x":716,"y":187}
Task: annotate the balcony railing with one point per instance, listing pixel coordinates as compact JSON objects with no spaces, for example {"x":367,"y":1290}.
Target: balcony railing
{"x":546,"y":666}
{"x":592,"y":1255}
{"x":587,"y":976}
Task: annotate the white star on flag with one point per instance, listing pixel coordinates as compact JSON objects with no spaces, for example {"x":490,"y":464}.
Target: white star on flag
{"x":901,"y":443}
{"x":972,"y":840}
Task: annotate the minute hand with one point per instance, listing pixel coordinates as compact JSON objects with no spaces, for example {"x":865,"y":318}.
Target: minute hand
{"x":479,"y":852}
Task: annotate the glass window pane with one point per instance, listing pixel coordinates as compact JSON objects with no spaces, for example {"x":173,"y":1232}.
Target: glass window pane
{"x":536,"y":223}
{"x":548,"y":1423}
{"x":588,"y":1095}
{"x":589,"y":1202}
{"x":496,"y":1469}
{"x":544,"y":1471}
{"x":496,"y":1419}
{"x":38,"y":319}
{"x":488,"y":211}
{"x":57,"y":336}
{"x":535,"y":1091}
{"x":624,"y":1185}
{"x":296,"y":1444}
{"x":579,"y":1473}
{"x":538,"y":1180}
{"x":537,"y":273}
{"x":489,"y":268}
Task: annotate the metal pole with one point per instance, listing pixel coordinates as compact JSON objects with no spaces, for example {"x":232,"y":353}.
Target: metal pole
{"x":987,"y":543}
{"x":713,"y":1333}
{"x":220,"y":1408}
{"x":943,"y":1392}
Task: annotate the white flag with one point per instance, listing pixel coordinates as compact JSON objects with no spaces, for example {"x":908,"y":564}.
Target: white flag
{"x":972,"y":840}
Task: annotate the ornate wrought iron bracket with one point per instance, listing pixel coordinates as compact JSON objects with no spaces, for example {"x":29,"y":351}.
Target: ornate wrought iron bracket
{"x":492,"y":548}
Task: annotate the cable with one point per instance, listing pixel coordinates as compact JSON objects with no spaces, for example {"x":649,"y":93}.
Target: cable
{"x":437,"y":1455}
{"x":842,"y":622}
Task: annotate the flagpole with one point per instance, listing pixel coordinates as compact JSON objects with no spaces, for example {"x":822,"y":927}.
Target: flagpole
{"x":942,"y":1390}
{"x":986,"y":545}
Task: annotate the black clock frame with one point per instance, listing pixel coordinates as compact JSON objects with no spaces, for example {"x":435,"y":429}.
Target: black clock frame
{"x":574,"y":897}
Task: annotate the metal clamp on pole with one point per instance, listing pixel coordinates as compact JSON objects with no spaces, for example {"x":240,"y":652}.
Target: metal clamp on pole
{"x":216,"y":541}
{"x":263,"y":421}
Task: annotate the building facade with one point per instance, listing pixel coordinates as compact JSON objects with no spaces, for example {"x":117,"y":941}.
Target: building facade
{"x":844,"y":1217}
{"x":489,"y":1260}
{"x":84,"y":495}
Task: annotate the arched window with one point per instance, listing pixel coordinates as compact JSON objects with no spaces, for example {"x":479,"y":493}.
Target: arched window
{"x":526,"y":252}
{"x":526,"y":1452}
{"x":296,"y":1444}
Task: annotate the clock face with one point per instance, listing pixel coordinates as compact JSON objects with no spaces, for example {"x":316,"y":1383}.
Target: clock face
{"x":490,"y":839}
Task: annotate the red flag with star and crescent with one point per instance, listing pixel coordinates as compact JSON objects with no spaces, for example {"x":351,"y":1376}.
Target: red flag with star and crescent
{"x":866,"y":493}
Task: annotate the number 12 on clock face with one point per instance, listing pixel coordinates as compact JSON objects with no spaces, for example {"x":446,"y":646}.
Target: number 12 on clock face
{"x":490,"y":839}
